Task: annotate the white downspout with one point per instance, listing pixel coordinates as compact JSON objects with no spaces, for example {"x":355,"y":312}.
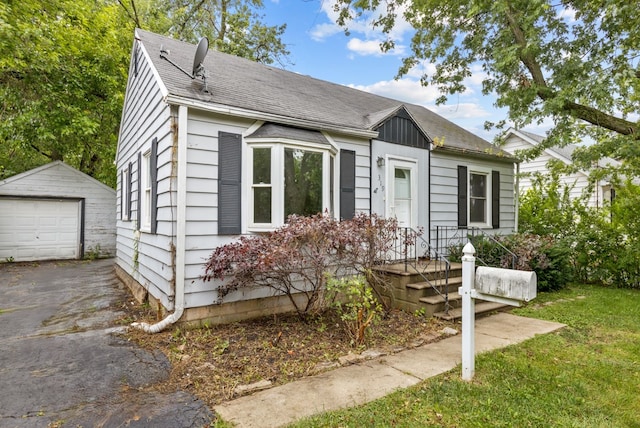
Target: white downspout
{"x":517,"y":196}
{"x":180,"y":230}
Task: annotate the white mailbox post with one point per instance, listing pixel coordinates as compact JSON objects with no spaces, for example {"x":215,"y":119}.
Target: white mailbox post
{"x":506,"y":286}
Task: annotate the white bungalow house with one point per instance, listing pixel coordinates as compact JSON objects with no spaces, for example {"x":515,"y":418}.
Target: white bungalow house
{"x":202,"y":161}
{"x":579,"y":182}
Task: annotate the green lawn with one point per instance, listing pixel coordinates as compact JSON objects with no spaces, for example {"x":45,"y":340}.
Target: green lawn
{"x":587,"y":375}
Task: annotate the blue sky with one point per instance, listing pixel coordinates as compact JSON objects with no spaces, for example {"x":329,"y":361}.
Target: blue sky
{"x":319,"y":48}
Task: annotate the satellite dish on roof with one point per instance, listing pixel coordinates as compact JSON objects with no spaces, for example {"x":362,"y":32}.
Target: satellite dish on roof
{"x":198,"y":59}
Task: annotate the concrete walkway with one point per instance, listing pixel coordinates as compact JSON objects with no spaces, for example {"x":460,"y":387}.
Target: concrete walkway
{"x":367,"y":381}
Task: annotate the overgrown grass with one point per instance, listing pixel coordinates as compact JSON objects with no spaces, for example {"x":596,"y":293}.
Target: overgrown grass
{"x":587,"y":375}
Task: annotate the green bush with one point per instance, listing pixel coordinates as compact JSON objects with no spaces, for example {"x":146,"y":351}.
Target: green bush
{"x":602,"y":243}
{"x":547,"y":256}
{"x":357,"y":305}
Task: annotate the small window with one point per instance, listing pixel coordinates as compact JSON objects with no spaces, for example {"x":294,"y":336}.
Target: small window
{"x":262,"y":185}
{"x":124,"y":194}
{"x":478,"y":198}
{"x":146,"y":191}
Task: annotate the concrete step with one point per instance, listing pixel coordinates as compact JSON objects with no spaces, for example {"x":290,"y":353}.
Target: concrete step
{"x":482,"y":308}
{"x":454,"y":283}
{"x":438,"y":299}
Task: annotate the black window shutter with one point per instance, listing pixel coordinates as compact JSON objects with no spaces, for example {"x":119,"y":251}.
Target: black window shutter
{"x":347,"y":184}
{"x":153,"y":168}
{"x":462,"y":196}
{"x":495,"y":199}
{"x":229,"y":183}
{"x":139,"y":202}
{"x":129,"y":194}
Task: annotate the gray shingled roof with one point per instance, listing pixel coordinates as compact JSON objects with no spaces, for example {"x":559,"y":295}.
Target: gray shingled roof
{"x":247,"y":85}
{"x":272,"y":130}
{"x":567,"y":151}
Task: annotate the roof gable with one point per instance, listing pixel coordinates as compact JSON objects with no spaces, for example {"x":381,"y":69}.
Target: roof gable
{"x":564,"y":154}
{"x":61,"y":167}
{"x":400,"y":128}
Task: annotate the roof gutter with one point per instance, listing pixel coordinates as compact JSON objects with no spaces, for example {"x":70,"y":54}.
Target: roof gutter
{"x":256,"y":115}
{"x":181,"y":224}
{"x":498,"y":156}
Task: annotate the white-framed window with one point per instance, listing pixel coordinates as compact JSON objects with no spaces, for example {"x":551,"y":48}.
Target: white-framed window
{"x":124,"y":194}
{"x":479,"y":198}
{"x":285,"y":179}
{"x":145,"y":206}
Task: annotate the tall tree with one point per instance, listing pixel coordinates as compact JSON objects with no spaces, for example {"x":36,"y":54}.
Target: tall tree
{"x":575,"y":61}
{"x":62,"y":76}
{"x":232,"y":26}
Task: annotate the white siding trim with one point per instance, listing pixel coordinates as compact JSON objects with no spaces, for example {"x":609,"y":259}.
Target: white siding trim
{"x":156,"y":75}
{"x":181,"y":214}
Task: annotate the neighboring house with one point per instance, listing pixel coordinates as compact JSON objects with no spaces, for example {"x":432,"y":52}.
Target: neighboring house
{"x":56,"y":212}
{"x":600,"y":193}
{"x":200,"y":164}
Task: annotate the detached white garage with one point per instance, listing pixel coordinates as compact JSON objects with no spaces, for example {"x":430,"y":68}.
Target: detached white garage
{"x":55,"y":212}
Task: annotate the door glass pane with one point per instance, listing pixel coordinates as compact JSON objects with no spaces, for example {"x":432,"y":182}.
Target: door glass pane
{"x":402,"y":183}
{"x":302,"y":182}
{"x":262,"y":204}
{"x":402,"y":196}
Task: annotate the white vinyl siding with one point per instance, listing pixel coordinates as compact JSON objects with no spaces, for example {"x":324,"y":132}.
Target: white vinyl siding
{"x":144,"y":256}
{"x":577,"y":181}
{"x":444,"y":189}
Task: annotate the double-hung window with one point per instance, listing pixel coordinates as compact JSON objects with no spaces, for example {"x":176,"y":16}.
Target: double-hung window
{"x":479,"y":198}
{"x":125,"y":198}
{"x":146,"y":191}
{"x":288,"y":179}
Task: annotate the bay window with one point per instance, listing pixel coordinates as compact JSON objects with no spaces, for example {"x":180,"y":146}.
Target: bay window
{"x":288,"y":179}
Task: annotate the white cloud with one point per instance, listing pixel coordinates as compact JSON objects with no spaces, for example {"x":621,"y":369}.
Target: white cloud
{"x":364,"y":47}
{"x":363,"y":30}
{"x":371,"y":47}
{"x":411,"y":91}
{"x":323,"y":31}
{"x":568,"y":14}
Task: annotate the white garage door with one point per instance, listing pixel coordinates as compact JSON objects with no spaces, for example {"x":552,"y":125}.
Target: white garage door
{"x":39,"y":229}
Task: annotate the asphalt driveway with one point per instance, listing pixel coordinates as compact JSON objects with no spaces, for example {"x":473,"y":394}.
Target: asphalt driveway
{"x":62,"y":361}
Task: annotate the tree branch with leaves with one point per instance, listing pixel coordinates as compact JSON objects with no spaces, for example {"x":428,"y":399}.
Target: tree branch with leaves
{"x":575,"y":62}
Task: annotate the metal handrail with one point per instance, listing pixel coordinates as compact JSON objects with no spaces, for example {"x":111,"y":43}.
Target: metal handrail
{"x":414,"y":251}
{"x":446,"y":236}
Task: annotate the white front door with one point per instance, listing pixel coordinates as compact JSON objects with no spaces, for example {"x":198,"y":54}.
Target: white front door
{"x":402,"y":192}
